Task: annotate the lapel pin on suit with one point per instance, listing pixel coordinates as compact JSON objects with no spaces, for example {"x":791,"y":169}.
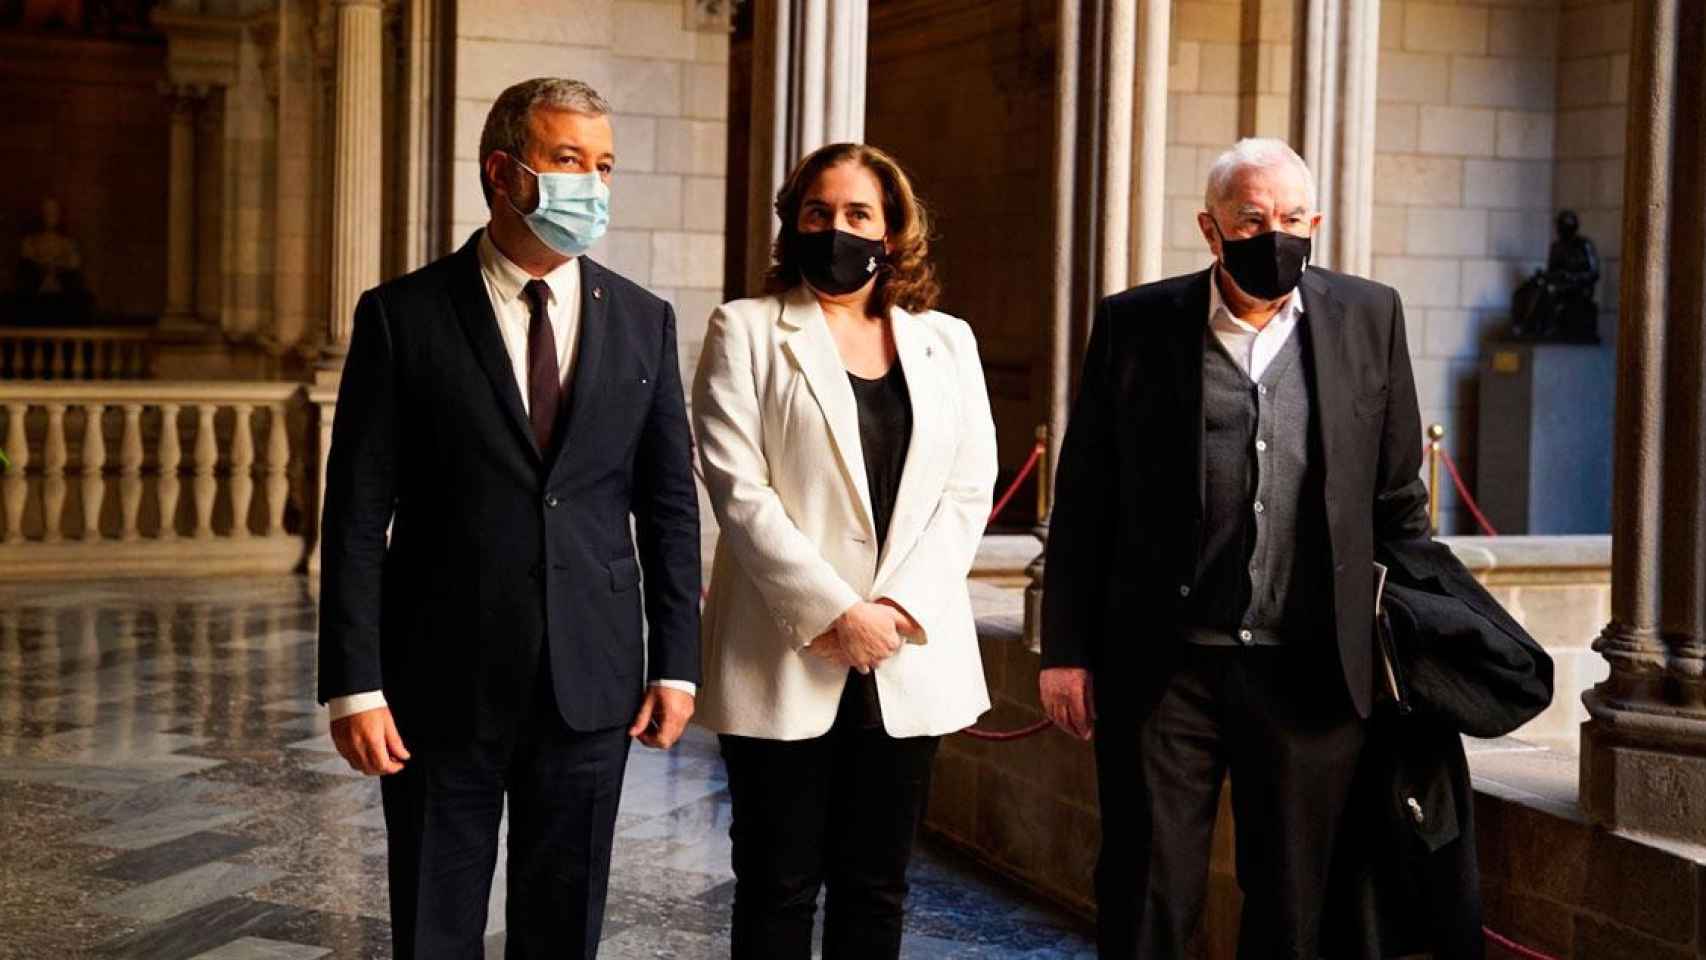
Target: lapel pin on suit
{"x":598,"y":293}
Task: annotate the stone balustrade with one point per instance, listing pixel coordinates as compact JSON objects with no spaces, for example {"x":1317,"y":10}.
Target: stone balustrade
{"x":76,"y":353}
{"x":116,"y":479}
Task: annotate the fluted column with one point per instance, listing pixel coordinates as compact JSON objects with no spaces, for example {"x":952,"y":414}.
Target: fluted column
{"x":180,"y":207}
{"x":1144,"y":178}
{"x":357,"y":201}
{"x":1339,"y":60}
{"x":1644,"y":747}
{"x":808,"y":90}
{"x":1066,"y":202}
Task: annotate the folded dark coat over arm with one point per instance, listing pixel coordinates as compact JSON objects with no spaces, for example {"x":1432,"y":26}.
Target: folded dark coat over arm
{"x":1406,"y":879}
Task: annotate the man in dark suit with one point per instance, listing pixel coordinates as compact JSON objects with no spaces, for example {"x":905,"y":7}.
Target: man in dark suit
{"x":513,"y":414}
{"x":1242,"y":440}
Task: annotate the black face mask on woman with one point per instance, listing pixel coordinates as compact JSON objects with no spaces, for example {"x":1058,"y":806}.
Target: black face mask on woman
{"x":836,"y":262}
{"x":1267,"y":265}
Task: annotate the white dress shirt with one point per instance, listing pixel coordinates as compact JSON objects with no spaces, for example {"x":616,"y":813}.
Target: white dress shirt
{"x":1248,"y":347}
{"x":504,"y":283}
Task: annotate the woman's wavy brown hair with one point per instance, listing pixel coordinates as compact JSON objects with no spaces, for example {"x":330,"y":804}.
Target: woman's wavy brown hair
{"x":906,"y":279}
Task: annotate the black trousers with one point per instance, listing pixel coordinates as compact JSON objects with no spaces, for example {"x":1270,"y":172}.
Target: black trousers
{"x":839,"y":812}
{"x":1279,"y":720}
{"x":441,"y":821}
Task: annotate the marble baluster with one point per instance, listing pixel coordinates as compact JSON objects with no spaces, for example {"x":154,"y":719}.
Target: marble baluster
{"x":278,"y":465}
{"x":130,"y":472}
{"x":17,"y":485}
{"x":205,"y":486}
{"x":242,"y":468}
{"x":94,"y":469}
{"x":53,"y":480}
{"x":170,"y":456}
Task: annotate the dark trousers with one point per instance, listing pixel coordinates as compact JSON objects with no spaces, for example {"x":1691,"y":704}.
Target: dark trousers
{"x":1279,"y":721}
{"x":839,"y":812}
{"x":441,"y":820}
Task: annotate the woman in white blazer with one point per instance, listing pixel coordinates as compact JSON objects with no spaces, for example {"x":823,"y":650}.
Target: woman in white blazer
{"x":849,"y":454}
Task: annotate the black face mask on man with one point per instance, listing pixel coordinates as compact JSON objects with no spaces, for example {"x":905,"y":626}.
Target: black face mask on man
{"x":1267,"y":265}
{"x":837,"y":262}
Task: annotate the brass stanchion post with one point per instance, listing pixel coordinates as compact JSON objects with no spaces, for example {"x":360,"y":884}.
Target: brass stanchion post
{"x":1045,"y":495}
{"x":1436,"y":433}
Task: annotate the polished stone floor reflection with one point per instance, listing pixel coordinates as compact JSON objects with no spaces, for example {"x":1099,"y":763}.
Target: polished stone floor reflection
{"x":168,"y":791}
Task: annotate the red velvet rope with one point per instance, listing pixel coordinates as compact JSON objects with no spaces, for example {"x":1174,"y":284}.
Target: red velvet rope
{"x":1463,"y":494}
{"x":1526,"y":953}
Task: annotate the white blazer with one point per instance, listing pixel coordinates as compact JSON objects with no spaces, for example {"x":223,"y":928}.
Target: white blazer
{"x":778,"y":433}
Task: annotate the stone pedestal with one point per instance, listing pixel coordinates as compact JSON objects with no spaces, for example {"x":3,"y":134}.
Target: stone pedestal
{"x":1644,"y":772}
{"x":1544,"y":450}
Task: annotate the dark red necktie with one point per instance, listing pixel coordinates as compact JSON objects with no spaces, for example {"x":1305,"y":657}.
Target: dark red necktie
{"x":544,"y":379}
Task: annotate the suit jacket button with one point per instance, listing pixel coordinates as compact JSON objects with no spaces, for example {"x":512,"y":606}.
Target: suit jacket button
{"x":550,"y":501}
{"x":1184,"y":590}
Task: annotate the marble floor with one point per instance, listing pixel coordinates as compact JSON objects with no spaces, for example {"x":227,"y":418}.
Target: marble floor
{"x":168,"y":791}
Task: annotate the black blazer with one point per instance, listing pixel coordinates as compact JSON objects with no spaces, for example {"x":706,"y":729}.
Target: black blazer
{"x":1125,"y":537}
{"x":498,"y":554}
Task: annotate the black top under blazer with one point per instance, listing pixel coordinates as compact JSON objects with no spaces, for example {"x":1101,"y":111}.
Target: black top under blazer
{"x":1124,"y":548}
{"x":501,"y":558}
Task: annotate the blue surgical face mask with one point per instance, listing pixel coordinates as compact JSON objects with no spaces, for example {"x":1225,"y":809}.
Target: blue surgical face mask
{"x":573,"y":210}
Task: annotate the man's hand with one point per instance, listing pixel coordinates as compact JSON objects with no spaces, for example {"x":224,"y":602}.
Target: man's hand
{"x":868,"y":634}
{"x":663,"y":716}
{"x":1069,"y":699}
{"x":368,"y":741}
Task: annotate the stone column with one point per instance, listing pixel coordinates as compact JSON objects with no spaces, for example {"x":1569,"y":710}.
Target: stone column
{"x":1066,"y":201}
{"x":1114,"y":164}
{"x":1149,"y":137}
{"x":1643,"y":758}
{"x":1338,"y":54}
{"x":181,"y":207}
{"x":1133,"y":159}
{"x":1110,"y":163}
{"x":357,"y":203}
{"x":808,"y":90}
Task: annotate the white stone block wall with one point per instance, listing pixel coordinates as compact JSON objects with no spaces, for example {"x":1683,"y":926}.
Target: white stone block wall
{"x":1208,"y":101}
{"x":1593,"y":93}
{"x":1465,"y":186}
{"x":668,"y":84}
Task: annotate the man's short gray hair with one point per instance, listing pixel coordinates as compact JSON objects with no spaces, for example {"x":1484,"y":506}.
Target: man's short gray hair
{"x":1260,"y":152}
{"x":506,"y":124}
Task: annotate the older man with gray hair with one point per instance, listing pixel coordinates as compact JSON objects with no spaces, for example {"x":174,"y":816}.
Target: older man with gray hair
{"x":510,"y":451}
{"x":1245,"y":438}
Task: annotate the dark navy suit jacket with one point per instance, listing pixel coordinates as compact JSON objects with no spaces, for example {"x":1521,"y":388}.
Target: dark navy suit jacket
{"x":502,"y":559}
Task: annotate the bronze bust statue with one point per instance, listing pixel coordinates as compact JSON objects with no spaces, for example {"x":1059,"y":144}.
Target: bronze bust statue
{"x":1557,"y":303}
{"x":50,"y":289}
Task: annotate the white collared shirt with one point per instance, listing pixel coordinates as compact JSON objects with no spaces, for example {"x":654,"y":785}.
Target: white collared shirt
{"x":504,"y":283}
{"x":1248,"y":347}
